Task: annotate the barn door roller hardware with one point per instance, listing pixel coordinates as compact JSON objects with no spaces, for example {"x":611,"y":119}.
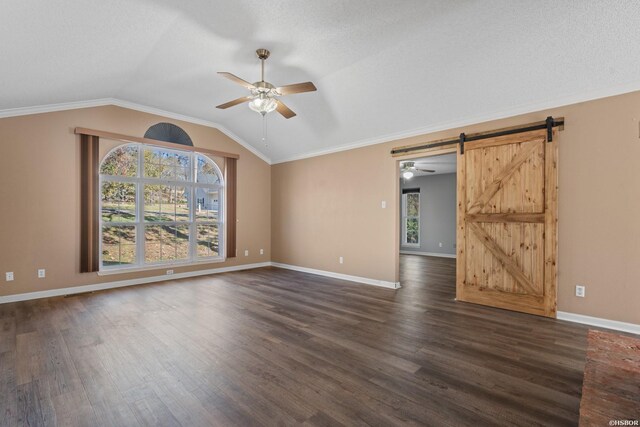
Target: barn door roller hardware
{"x":548,"y":124}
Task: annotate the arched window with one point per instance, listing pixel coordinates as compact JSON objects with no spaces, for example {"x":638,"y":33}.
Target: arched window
{"x":159,"y":206}
{"x":168,"y":132}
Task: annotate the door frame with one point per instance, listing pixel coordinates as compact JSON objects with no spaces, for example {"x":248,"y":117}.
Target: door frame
{"x":430,"y":152}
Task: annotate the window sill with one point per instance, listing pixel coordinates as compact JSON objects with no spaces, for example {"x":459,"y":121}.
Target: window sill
{"x":124,"y":270}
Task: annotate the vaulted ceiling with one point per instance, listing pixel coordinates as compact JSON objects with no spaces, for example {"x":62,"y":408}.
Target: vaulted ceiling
{"x":383,"y":68}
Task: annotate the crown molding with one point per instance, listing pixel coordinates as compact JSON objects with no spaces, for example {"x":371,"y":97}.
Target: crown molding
{"x":49,"y":108}
{"x":101,"y":102}
{"x":511,"y":112}
{"x":504,"y":114}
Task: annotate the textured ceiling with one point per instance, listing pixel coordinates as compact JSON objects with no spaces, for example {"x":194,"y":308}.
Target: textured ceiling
{"x":383,"y":68}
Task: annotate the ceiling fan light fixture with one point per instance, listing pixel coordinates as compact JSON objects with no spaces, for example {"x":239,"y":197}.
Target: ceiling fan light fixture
{"x":264,"y":96}
{"x":407,"y":174}
{"x":263,"y":104}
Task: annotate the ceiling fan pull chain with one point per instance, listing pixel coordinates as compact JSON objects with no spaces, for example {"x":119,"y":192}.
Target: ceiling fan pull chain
{"x":264,"y":130}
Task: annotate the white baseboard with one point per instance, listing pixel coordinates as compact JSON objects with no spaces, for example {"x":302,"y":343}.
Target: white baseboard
{"x":561,"y":315}
{"x":121,"y":283}
{"x":357,"y":279}
{"x":597,"y":321}
{"x":428,"y":254}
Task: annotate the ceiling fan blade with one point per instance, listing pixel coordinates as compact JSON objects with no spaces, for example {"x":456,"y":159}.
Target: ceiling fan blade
{"x":234,"y":102}
{"x":284,"y":110}
{"x":296,"y":88}
{"x":425,"y":170}
{"x":237,"y":79}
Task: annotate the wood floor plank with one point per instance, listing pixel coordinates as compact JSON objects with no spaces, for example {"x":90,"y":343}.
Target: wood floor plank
{"x":151,"y":411}
{"x":278,"y":347}
{"x":8,"y":389}
{"x":35,"y":407}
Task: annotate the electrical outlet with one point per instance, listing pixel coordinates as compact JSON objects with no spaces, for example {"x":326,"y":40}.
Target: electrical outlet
{"x":9,"y":276}
{"x":246,"y":252}
{"x":169,"y":272}
{"x":580,"y":291}
{"x":384,"y":204}
{"x":341,"y":259}
{"x":42,"y":273}
{"x":440,"y":244}
{"x":261,"y":251}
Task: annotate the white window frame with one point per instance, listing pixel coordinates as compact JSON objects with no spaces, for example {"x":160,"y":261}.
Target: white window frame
{"x":140,"y":181}
{"x":405,"y":217}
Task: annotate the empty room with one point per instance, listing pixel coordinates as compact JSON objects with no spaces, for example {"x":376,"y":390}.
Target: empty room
{"x":384,"y":213}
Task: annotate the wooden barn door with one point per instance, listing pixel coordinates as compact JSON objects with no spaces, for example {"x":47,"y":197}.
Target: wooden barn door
{"x":507,"y":223}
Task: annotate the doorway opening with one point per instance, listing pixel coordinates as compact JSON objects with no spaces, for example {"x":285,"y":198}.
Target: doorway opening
{"x":506,"y":215}
{"x":427,"y":206}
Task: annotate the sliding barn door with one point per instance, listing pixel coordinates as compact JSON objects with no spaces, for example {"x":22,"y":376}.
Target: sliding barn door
{"x":507,"y":223}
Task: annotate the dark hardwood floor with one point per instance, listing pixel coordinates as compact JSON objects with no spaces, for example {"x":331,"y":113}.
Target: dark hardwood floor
{"x":277,"y":347}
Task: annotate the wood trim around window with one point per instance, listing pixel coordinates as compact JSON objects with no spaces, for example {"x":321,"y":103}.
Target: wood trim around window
{"x":126,"y":138}
{"x":89,"y":191}
{"x":231,"y":172}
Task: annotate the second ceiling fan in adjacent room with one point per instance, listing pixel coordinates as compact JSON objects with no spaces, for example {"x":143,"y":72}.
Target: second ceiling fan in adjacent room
{"x":408,"y":169}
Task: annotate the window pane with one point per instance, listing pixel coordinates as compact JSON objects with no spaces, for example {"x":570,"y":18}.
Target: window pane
{"x":207,"y":204}
{"x":181,"y":240}
{"x":118,"y":202}
{"x":208,"y":241}
{"x":413,"y":204}
{"x":122,"y":161}
{"x":165,"y":203}
{"x":206,"y":172}
{"x":167,"y":165}
{"x":181,"y":204}
{"x":412,"y":227}
{"x":158,"y":203}
{"x":153,"y":167}
{"x":118,"y":245}
{"x":166,"y":242}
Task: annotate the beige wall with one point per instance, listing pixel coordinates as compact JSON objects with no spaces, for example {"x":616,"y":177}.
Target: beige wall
{"x":329,"y":206}
{"x":40,"y":204}
{"x":324,"y":207}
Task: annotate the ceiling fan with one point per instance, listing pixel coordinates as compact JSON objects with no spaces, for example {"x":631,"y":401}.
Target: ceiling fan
{"x":264,"y":96}
{"x":408,"y":169}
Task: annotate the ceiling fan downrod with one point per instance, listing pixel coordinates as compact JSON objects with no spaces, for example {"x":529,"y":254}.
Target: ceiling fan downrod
{"x":263,"y":54}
